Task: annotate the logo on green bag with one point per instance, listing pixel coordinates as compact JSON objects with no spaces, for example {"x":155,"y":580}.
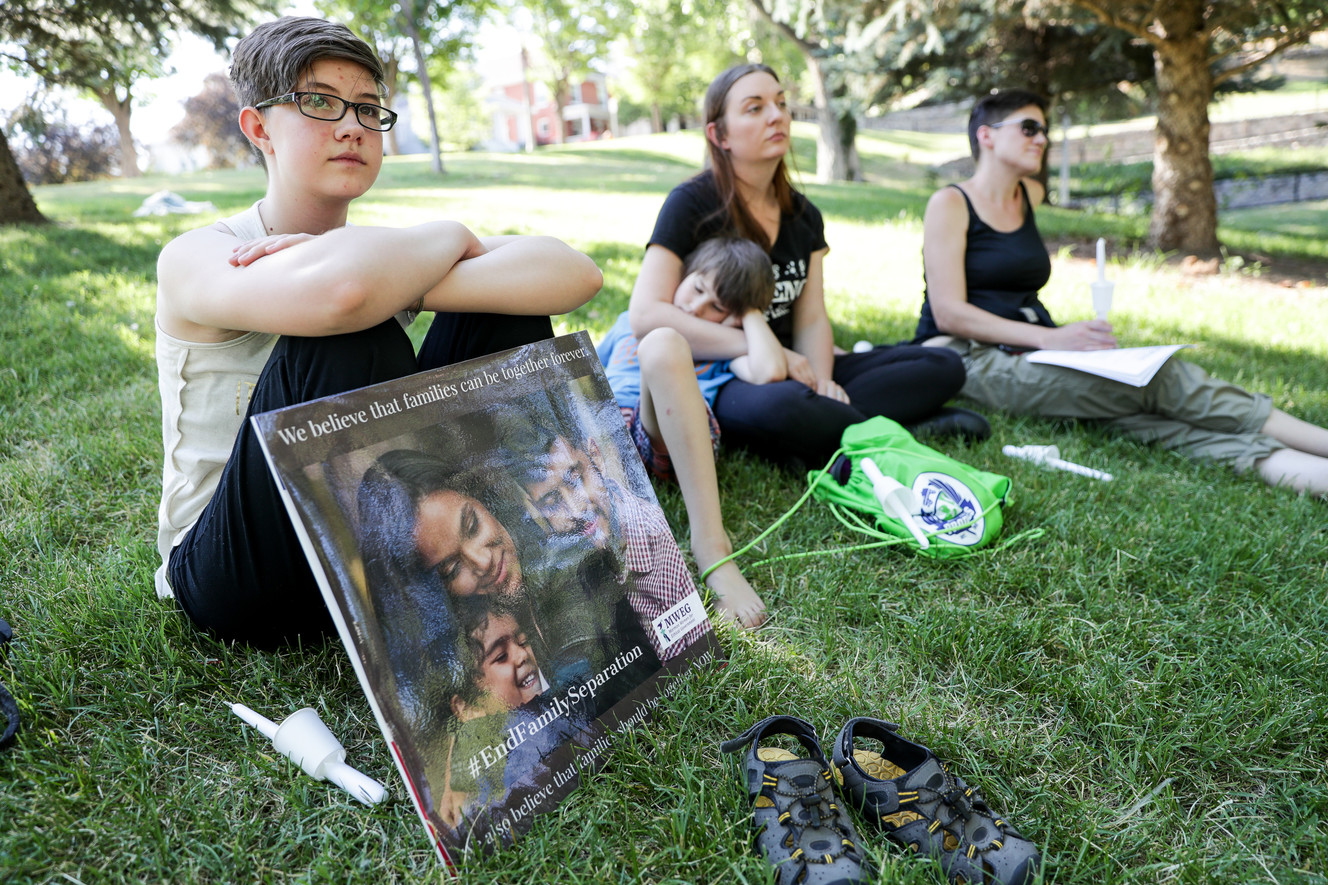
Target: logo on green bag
{"x":949,"y":508}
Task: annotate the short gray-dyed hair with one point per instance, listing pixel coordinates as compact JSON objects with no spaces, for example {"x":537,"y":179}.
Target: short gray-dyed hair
{"x":270,"y":60}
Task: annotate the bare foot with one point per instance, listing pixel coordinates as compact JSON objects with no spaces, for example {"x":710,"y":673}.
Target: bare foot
{"x":735,"y":600}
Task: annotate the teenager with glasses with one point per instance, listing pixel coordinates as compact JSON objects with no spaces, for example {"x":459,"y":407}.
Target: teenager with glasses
{"x":321,"y":106}
{"x":283,"y":303}
{"x":984,"y":263}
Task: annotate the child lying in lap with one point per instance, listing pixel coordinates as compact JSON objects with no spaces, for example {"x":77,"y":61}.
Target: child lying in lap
{"x":666,"y":398}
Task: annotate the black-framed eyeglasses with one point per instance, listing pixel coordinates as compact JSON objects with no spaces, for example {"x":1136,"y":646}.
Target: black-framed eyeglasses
{"x":1028,"y":126}
{"x":321,"y":106}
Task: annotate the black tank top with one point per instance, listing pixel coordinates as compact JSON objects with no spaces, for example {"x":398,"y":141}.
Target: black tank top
{"x":1003,"y":271}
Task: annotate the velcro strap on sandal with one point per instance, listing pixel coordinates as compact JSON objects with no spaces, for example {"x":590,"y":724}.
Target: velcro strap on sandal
{"x":799,"y":728}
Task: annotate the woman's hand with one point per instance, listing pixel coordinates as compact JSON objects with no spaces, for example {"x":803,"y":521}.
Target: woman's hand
{"x":832,"y":390}
{"x":246,"y":254}
{"x":800,"y":368}
{"x":1084,"y":335}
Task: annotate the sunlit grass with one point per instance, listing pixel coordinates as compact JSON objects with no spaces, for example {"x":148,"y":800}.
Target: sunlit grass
{"x":1141,"y":688}
{"x":1299,"y":221}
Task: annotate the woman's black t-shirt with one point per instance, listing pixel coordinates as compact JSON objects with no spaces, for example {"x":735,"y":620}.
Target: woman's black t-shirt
{"x":688,"y":218}
{"x":1003,"y":271}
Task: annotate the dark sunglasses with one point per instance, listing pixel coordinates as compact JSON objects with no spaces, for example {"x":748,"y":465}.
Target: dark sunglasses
{"x":1028,"y":126}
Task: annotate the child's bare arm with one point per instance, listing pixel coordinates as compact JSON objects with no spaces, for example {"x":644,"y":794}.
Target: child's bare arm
{"x":536,"y":275}
{"x":764,"y":361}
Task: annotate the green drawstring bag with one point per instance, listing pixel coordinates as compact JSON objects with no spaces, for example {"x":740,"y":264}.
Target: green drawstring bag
{"x":959,"y":507}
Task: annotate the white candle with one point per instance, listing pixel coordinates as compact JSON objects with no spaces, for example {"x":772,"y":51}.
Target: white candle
{"x":1101,"y":258}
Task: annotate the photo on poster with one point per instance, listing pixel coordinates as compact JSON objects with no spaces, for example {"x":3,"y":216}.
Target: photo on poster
{"x":500,"y":572}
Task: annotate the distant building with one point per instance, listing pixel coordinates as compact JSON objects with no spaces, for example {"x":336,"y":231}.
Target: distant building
{"x":587,"y":114}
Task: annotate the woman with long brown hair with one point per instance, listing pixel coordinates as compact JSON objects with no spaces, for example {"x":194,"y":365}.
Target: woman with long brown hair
{"x":745,"y":191}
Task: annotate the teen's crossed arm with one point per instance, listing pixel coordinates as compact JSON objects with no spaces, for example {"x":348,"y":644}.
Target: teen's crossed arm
{"x":352,"y":278}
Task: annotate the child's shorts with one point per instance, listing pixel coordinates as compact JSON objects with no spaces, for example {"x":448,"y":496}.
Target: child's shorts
{"x":654,"y":454}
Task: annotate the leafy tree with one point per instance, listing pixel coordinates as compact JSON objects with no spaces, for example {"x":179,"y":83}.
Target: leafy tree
{"x":835,"y":38}
{"x":456,"y":88}
{"x":448,"y":29}
{"x":979,"y":45}
{"x":967,"y":48}
{"x":376,"y":23}
{"x":421,"y":30}
{"x":107,"y":54}
{"x":676,"y":47}
{"x":209,"y":121}
{"x":106,"y":61}
{"x":572,"y":34}
{"x":104,"y":47}
{"x":51,"y":150}
{"x":1197,"y":45}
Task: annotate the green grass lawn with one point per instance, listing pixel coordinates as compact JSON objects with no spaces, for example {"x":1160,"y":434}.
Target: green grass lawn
{"x":1141,"y":689}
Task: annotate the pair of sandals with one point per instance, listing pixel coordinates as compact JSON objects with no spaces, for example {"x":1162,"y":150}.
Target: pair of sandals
{"x":897,"y":784}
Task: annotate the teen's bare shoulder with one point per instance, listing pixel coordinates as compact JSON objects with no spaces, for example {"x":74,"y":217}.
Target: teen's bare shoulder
{"x":185,"y":267}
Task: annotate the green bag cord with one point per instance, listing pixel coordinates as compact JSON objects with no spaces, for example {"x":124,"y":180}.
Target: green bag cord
{"x":859,"y":524}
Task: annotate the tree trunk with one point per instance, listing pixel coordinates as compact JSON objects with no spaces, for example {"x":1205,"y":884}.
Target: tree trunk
{"x":846,"y":129}
{"x":121,"y":109}
{"x":390,"y":71}
{"x":16,"y":203}
{"x":560,"y":93}
{"x":422,"y":72}
{"x":1063,"y":188}
{"x":656,"y":117}
{"x":836,"y":137}
{"x":528,"y":101}
{"x":1184,"y":205}
{"x":846,"y":136}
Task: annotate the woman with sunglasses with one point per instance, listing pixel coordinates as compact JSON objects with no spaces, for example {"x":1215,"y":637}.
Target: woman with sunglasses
{"x":984,"y":262}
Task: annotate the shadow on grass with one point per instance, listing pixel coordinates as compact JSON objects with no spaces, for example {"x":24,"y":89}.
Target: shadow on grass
{"x":76,"y":321}
{"x":52,"y":251}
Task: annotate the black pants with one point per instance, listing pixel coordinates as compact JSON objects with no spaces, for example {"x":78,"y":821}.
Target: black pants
{"x":788,"y":421}
{"x":240,"y":572}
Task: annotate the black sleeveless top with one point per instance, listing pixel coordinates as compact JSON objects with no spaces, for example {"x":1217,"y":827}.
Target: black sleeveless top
{"x":1003,"y":271}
